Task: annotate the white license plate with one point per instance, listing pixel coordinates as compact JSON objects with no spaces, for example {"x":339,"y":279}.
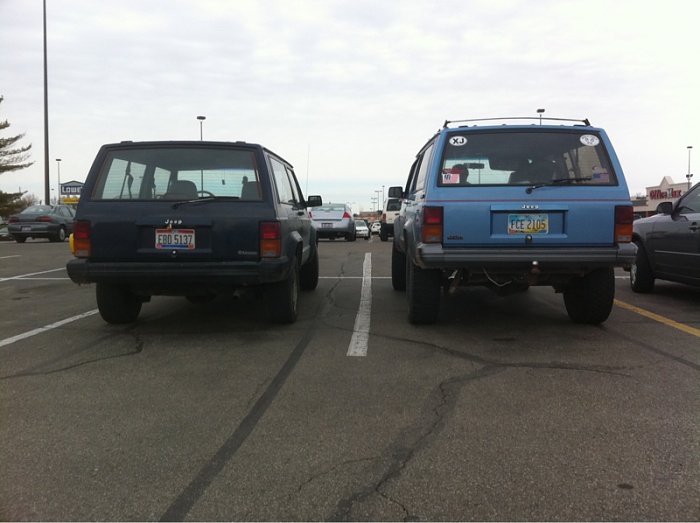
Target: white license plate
{"x":528,"y":223}
{"x":326,"y":225}
{"x":174,"y":238}
{"x":26,"y":228}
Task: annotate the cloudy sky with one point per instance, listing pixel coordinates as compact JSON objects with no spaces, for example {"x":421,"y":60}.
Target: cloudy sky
{"x":347,"y":90}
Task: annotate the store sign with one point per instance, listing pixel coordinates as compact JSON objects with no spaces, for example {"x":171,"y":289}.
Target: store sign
{"x":670,"y":194}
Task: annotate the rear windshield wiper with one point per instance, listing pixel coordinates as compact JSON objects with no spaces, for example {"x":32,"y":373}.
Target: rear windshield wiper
{"x":557,"y":181}
{"x":205,"y":199}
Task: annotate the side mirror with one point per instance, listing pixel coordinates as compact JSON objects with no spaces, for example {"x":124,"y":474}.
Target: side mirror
{"x":313,"y":201}
{"x":664,"y":208}
{"x":395,"y":192}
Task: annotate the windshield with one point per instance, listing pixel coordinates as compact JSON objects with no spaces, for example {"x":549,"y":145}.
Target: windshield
{"x":178,"y":173}
{"x":525,"y":158}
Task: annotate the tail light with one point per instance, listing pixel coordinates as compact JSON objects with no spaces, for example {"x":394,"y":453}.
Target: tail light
{"x":82,"y":247}
{"x":346,"y":215}
{"x":13,"y":219}
{"x":432,"y":224}
{"x":384,"y":217}
{"x":43,"y":219}
{"x":270,"y":240}
{"x":624,"y":216}
{"x":310,"y":215}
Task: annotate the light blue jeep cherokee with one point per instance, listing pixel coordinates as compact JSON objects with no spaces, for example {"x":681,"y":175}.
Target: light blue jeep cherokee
{"x":509,"y":206}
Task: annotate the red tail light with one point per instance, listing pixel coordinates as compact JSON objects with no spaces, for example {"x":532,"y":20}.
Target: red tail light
{"x":13,"y":219}
{"x":270,"y":240}
{"x":310,"y":215}
{"x":384,"y":217}
{"x":432,"y":224}
{"x":624,"y":217}
{"x":43,"y":219}
{"x":82,"y":247}
{"x":347,"y":215}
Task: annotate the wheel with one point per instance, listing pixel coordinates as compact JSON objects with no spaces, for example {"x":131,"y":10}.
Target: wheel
{"x":383,"y":235}
{"x":308,"y":274}
{"x":117,"y":304}
{"x":398,"y":269}
{"x":367,"y":237}
{"x":590,"y":299}
{"x":423,"y":286}
{"x":60,"y":235}
{"x":283,"y":297}
{"x":641,"y":276}
{"x":20,"y":239}
{"x":205,"y":193}
{"x":351,"y":237}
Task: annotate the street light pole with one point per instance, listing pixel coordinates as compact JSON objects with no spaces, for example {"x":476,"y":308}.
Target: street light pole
{"x":58,"y":164}
{"x":689,"y":176}
{"x":201,"y":120}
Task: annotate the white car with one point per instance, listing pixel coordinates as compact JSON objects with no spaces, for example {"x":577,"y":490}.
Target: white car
{"x":376,"y":227}
{"x":361,"y":229}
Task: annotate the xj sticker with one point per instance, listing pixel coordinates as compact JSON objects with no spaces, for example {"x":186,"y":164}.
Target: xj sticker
{"x":458,"y":140}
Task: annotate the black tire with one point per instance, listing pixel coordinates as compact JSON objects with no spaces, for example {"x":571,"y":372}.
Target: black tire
{"x":308,"y":274}
{"x":423,"y":286}
{"x":366,"y":238}
{"x":60,"y":236}
{"x":590,"y":299}
{"x":117,"y":304}
{"x":20,"y":239}
{"x":351,"y":237}
{"x":383,"y":235}
{"x":283,"y":297}
{"x":641,"y":275}
{"x":398,"y":269}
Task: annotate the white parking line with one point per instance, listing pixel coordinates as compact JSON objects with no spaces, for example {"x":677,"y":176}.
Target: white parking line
{"x":360,"y":334}
{"x":22,"y":276}
{"x":12,"y":256}
{"x":29,"y":334}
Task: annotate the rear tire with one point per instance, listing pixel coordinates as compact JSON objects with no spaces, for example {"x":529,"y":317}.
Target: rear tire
{"x":117,"y":304}
{"x":423,"y":294}
{"x":20,"y":239}
{"x":308,"y":274}
{"x":641,"y":275}
{"x":398,"y":269}
{"x":589,"y":299}
{"x":283,"y":297}
{"x":383,"y":235}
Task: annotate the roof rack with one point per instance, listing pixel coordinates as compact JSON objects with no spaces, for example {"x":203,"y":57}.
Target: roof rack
{"x":538,"y":118}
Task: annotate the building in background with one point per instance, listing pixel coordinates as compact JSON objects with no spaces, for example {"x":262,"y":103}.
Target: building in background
{"x":666,"y":191}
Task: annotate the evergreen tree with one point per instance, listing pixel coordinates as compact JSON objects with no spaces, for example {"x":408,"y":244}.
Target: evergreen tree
{"x":12,"y":158}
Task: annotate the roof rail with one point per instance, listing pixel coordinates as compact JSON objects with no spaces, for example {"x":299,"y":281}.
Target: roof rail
{"x":537,"y":118}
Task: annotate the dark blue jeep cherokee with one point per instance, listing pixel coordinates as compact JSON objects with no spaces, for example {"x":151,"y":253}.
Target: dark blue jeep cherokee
{"x":510,"y":206}
{"x":193,"y":219}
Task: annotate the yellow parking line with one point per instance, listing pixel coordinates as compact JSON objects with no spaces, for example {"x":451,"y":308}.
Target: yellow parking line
{"x":661,"y":319}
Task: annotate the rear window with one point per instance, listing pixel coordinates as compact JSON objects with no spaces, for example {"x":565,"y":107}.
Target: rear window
{"x":525,"y":158}
{"x":174,"y":173}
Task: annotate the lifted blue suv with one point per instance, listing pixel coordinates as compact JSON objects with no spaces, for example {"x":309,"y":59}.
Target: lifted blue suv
{"x":193,"y":219}
{"x":510,"y":206}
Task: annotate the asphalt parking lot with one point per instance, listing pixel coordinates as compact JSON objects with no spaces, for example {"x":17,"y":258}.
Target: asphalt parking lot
{"x":503,"y":410}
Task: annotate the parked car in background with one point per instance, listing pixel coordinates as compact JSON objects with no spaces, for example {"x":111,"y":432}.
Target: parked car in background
{"x":392,"y":207}
{"x":194,"y":219}
{"x":54,"y":222}
{"x":5,"y":235}
{"x":668,"y":244}
{"x":334,"y":221}
{"x":375,"y":227}
{"x":510,"y":206}
{"x":361,"y":229}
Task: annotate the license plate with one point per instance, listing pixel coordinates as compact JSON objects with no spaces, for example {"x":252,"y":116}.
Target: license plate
{"x":26,"y":228}
{"x":174,"y":238}
{"x":528,"y":224}
{"x":326,"y":225}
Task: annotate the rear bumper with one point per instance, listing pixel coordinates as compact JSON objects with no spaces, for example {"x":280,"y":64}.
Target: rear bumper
{"x":184,"y":275}
{"x":433,"y":256}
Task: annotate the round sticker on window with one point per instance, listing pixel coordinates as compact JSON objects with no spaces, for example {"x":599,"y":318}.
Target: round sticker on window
{"x":458,"y":140}
{"x":590,"y":140}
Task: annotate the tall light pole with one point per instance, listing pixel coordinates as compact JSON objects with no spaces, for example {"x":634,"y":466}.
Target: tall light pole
{"x":47,"y":190}
{"x":58,"y":165}
{"x":201,"y":121}
{"x":380,"y":203}
{"x":540,"y":112}
{"x":689,"y":176}
{"x":382,"y":195}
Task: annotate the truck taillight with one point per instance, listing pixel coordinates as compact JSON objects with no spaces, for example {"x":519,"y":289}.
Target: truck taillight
{"x":624,"y":216}
{"x":270,"y":240}
{"x":82,"y":247}
{"x":432,"y":224}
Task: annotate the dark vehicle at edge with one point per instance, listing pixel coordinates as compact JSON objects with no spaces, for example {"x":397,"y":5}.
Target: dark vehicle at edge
{"x":668,"y":244}
{"x":193,"y":219}
{"x":54,"y":222}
